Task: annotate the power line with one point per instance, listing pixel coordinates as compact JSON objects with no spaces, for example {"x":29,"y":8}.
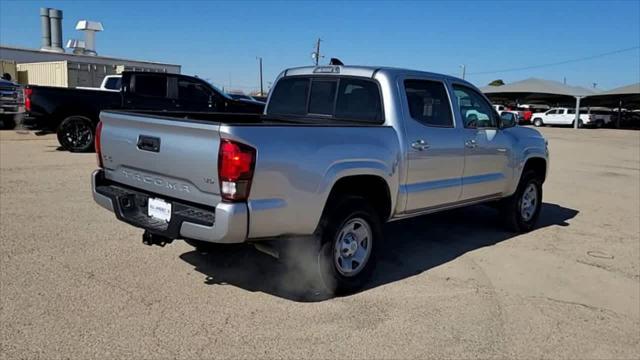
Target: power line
{"x":557,"y":63}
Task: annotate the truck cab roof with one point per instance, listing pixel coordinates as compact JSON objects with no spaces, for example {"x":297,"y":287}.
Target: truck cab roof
{"x":365,"y":71}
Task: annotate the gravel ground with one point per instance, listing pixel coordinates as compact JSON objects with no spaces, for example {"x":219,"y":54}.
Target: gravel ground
{"x":76,"y":283}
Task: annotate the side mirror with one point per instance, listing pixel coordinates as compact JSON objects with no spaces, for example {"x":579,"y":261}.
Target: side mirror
{"x":507,"y":120}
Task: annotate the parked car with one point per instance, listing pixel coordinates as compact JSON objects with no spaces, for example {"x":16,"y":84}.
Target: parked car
{"x":519,"y":114}
{"x":73,"y":113}
{"x":602,"y":116}
{"x":567,"y":116}
{"x":11,"y":103}
{"x":340,"y":151}
{"x":109,"y":83}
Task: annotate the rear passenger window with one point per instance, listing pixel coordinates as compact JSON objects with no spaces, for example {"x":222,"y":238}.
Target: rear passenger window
{"x":428,"y":102}
{"x":192,"y":91}
{"x":358,"y":100}
{"x":323,"y":94}
{"x":290,"y":97}
{"x":149,"y":85}
{"x":113,"y":83}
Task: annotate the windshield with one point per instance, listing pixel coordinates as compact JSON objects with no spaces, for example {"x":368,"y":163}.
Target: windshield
{"x":219,"y":91}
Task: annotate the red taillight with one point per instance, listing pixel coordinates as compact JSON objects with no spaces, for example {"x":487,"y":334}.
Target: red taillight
{"x":235,"y":169}
{"x":27,"y":98}
{"x":97,"y":144}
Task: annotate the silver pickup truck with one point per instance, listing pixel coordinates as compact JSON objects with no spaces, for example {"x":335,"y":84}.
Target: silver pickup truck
{"x":339,"y":151}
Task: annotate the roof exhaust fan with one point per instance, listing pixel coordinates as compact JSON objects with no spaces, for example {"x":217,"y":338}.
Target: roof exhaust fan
{"x":90,"y":29}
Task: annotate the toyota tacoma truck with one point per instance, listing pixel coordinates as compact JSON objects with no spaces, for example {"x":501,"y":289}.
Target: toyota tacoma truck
{"x":339,"y":151}
{"x":73,"y":112}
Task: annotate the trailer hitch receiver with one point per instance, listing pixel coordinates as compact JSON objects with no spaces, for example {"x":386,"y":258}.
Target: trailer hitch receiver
{"x":153,"y":239}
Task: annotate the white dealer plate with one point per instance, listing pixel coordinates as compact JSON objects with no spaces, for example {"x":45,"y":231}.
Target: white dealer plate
{"x":159,"y":209}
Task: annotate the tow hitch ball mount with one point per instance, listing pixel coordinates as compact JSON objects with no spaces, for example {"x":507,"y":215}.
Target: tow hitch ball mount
{"x":153,"y":239}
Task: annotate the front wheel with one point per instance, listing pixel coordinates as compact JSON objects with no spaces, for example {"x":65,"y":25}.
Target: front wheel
{"x":350,"y":241}
{"x":537,"y":122}
{"x":76,"y":134}
{"x":521,"y":210}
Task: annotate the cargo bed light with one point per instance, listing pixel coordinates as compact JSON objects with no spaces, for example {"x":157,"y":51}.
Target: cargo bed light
{"x":327,"y":70}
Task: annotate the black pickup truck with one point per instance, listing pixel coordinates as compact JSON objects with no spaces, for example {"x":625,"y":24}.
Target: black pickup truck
{"x":73,"y":113}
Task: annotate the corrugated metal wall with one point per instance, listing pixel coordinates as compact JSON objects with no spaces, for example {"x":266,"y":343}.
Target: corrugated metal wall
{"x":9,"y":67}
{"x":70,"y":74}
{"x":53,"y":73}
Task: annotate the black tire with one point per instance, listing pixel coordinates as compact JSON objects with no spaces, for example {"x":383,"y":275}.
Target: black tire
{"x":7,"y":122}
{"x":511,"y":208}
{"x":76,"y":134}
{"x":537,"y":122}
{"x":580,"y":124}
{"x":599,"y":124}
{"x":345,"y":213}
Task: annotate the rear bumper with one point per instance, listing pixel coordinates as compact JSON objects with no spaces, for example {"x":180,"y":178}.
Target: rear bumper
{"x":33,"y":121}
{"x":226,"y":223}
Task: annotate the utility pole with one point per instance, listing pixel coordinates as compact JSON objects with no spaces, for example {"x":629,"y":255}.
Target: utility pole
{"x":261,"y":88}
{"x":464,"y":70}
{"x":316,"y":54}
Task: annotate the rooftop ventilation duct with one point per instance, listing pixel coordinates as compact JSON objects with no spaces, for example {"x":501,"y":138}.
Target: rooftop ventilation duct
{"x":55,"y":20}
{"x":45,"y":29}
{"x":78,"y":46}
{"x":90,"y":29}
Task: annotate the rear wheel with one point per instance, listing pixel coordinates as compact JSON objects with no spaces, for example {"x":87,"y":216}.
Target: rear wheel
{"x":349,"y":245}
{"x":599,"y":124}
{"x":537,"y":122}
{"x":76,"y":134}
{"x":520,"y":211}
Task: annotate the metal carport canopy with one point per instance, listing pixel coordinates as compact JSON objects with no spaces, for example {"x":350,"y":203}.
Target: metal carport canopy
{"x":533,"y":87}
{"x":627,"y":97}
{"x":538,"y":90}
{"x":624,"y":96}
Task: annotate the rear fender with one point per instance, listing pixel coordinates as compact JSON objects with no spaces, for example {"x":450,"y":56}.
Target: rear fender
{"x":343,"y":169}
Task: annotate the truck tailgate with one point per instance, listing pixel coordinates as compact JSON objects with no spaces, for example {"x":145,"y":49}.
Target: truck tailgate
{"x":172,"y":157}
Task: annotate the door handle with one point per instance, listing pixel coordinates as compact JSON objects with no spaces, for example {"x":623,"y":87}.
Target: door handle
{"x":471,"y":143}
{"x":149,"y":143}
{"x":420,"y":145}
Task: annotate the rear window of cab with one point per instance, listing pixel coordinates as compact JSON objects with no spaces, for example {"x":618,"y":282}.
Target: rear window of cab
{"x":337,"y":98}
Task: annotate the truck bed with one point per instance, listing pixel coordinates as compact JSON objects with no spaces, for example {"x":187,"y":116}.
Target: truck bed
{"x":174,"y":156}
{"x":242,"y":118}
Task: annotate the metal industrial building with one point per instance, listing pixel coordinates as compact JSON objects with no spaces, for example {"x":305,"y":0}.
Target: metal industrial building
{"x":80,"y":70}
{"x":51,"y":65}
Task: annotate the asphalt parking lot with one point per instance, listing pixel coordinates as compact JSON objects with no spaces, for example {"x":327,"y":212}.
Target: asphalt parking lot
{"x":75,"y":282}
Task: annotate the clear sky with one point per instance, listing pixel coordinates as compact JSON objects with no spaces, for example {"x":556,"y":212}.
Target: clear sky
{"x":220,"y":40}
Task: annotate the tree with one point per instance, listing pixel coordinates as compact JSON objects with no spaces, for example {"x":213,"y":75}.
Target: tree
{"x":498,"y":82}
